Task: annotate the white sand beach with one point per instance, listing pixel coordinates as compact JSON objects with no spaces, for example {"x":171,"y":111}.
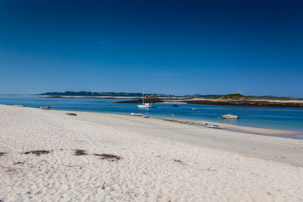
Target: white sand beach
{"x":124,"y":158}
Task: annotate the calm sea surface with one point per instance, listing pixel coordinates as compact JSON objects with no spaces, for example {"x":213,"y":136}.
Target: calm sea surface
{"x":280,"y":118}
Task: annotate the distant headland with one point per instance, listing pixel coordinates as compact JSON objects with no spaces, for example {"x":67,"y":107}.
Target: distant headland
{"x":236,"y":99}
{"x":115,"y":95}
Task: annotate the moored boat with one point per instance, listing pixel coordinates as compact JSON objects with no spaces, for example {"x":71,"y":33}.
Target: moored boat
{"x":136,"y":114}
{"x":46,"y":108}
{"x":230,"y":116}
{"x":144,"y":105}
{"x":212,"y":126}
{"x":139,"y":114}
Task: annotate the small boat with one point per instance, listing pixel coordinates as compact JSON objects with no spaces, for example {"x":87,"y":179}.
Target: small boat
{"x":175,"y":105}
{"x":230,"y":116}
{"x":46,"y":108}
{"x":144,"y":105}
{"x":136,"y":114}
{"x":139,"y":114}
{"x":212,"y":126}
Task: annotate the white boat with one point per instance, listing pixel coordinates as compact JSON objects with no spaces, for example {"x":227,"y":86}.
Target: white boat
{"x":139,"y":114}
{"x":144,"y":105}
{"x":230,"y":116}
{"x":212,"y":126}
{"x":136,"y":114}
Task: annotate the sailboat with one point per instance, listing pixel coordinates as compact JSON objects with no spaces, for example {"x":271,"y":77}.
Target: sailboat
{"x":144,"y":105}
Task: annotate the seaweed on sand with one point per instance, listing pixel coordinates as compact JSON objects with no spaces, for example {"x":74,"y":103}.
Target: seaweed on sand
{"x":79,"y":152}
{"x":37,"y":152}
{"x":71,"y":114}
{"x":179,"y":161}
{"x":109,"y":157}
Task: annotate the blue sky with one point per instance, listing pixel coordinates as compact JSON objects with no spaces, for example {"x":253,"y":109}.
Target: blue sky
{"x":173,"y":47}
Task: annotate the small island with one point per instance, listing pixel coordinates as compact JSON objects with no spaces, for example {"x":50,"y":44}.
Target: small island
{"x":253,"y":101}
{"x":236,"y":99}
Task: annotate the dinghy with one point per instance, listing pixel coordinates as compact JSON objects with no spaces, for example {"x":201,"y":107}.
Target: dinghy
{"x":230,"y":116}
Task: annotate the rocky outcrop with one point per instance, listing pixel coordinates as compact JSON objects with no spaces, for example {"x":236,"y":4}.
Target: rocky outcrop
{"x":147,"y":99}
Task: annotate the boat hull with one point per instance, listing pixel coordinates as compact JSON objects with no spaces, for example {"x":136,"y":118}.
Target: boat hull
{"x":229,"y":116}
{"x":146,"y":105}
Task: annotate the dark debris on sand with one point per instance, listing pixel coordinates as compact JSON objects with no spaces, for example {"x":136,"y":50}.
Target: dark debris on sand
{"x":2,"y":153}
{"x":79,"y":152}
{"x":71,"y":114}
{"x":19,"y":163}
{"x":109,"y":157}
{"x":37,"y":152}
{"x":179,"y":161}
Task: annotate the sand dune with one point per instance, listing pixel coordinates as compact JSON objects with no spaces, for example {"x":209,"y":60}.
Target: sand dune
{"x":133,"y":159}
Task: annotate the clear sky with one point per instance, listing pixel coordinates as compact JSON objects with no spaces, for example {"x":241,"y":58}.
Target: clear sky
{"x":167,"y":46}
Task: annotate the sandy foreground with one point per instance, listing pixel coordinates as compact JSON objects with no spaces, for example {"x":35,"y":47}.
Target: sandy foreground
{"x":154,"y":160}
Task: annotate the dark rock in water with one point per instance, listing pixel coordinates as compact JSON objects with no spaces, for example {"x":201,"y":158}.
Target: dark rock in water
{"x":147,"y":99}
{"x":139,"y":101}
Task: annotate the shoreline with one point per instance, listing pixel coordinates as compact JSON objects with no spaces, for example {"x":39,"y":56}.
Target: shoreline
{"x":293,"y":134}
{"x":243,"y":129}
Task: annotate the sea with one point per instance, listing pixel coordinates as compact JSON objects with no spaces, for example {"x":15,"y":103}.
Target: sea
{"x":263,"y":117}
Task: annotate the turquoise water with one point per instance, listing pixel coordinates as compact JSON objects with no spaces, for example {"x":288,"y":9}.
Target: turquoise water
{"x":279,"y":118}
